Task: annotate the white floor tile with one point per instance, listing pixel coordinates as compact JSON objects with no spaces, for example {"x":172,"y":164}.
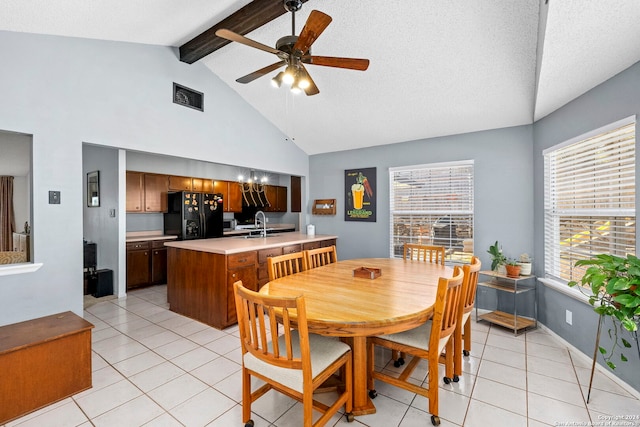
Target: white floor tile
{"x":555,"y":412}
{"x":154,"y":377}
{"x":156,"y":368}
{"x":481,"y":414}
{"x":135,"y":412}
{"x":64,"y":415}
{"x":177,"y":391}
{"x":202,"y":408}
{"x":108,"y":398}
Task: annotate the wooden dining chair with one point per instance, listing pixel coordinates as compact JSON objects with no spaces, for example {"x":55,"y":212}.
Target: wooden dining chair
{"x":463,"y":331}
{"x":427,"y":253}
{"x":293,"y":362}
{"x":427,"y":341}
{"x":284,"y":265}
{"x":417,"y":252}
{"x":320,"y":256}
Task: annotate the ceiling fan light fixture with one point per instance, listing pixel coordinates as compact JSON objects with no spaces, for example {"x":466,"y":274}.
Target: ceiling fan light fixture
{"x":277,"y":80}
{"x":289,"y":74}
{"x":303,"y":83}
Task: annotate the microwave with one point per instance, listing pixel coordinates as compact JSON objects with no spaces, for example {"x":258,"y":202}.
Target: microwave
{"x":229,"y":225}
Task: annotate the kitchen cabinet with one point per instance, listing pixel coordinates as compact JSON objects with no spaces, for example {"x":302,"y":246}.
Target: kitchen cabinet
{"x":158,"y":260}
{"x":179,"y":183}
{"x":231,"y":195}
{"x":518,"y":287}
{"x":155,"y":192}
{"x":200,"y":284}
{"x":135,"y":196}
{"x":138,"y":261}
{"x":146,"y":263}
{"x":202,"y":185}
{"x":277,"y":196}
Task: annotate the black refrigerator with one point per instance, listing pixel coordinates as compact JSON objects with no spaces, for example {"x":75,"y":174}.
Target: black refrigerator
{"x":194,"y":215}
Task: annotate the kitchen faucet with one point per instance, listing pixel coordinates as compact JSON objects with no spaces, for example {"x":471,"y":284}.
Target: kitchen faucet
{"x":264,"y":223}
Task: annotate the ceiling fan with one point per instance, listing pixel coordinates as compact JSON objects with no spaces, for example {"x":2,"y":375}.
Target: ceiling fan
{"x":295,"y":51}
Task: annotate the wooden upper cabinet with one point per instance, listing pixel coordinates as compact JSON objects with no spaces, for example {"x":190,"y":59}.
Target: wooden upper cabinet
{"x":234,"y":198}
{"x":179,"y":183}
{"x":277,"y":197}
{"x":135,"y":182}
{"x":155,"y":192}
{"x":271,"y":191}
{"x":202,"y":185}
{"x":281,"y":204}
{"x":231,"y":195}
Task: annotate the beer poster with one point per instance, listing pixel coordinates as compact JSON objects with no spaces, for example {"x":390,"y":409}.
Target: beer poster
{"x":360,"y":195}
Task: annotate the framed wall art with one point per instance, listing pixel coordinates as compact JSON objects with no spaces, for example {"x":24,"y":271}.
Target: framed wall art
{"x":360,"y":194}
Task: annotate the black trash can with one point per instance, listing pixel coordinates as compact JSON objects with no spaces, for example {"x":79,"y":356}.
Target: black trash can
{"x":103,"y":282}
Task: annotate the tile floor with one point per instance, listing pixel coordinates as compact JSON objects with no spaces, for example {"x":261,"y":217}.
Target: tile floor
{"x":152,"y":367}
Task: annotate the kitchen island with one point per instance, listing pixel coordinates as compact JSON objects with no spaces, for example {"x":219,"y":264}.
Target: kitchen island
{"x":201,"y":272}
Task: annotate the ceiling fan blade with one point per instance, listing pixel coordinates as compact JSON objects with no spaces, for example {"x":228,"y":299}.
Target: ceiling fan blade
{"x":315,"y":25}
{"x":332,"y":61}
{"x":312,"y":89}
{"x":235,"y":37}
{"x":261,"y":72}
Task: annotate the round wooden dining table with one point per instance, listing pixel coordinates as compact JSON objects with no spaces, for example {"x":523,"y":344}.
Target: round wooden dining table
{"x":342,"y":304}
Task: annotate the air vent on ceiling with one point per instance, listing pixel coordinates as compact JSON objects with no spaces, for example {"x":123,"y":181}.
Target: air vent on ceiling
{"x":188,"y":97}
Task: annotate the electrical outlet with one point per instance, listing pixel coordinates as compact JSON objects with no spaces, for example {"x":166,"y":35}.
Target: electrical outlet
{"x":569,"y":317}
{"x":54,"y":197}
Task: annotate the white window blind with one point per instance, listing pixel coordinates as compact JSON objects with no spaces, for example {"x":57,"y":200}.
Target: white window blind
{"x":433,"y":205}
{"x":590,"y":199}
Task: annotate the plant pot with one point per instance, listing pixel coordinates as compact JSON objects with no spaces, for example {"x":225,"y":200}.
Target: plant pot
{"x":501,"y":269}
{"x":513,"y":270}
{"x":525,"y":268}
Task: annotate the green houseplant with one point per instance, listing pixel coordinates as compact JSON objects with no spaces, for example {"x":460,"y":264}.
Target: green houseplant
{"x":497,"y":257}
{"x":513,"y":267}
{"x":613,"y":282}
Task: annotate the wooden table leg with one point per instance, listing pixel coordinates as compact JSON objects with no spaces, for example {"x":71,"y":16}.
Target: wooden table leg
{"x":362,"y":405}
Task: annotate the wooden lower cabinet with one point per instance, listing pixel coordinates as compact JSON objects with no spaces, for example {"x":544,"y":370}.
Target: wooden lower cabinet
{"x":200,"y":284}
{"x":43,"y":361}
{"x":146,"y":263}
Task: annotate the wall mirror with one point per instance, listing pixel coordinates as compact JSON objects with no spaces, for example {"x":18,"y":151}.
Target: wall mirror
{"x":93,"y":189}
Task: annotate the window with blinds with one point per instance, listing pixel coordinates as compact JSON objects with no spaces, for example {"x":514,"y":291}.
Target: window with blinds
{"x":433,"y":205}
{"x":589,"y":198}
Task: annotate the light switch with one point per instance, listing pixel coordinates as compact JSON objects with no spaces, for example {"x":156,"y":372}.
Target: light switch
{"x":112,"y":213}
{"x":54,"y":197}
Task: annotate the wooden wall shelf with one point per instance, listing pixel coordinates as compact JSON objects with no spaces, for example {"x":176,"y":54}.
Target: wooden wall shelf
{"x":324,"y":207}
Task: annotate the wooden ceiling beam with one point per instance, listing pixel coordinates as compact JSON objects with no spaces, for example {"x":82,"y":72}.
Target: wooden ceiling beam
{"x":252,"y":16}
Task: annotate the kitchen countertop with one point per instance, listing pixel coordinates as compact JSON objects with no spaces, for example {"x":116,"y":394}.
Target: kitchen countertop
{"x":139,"y":236}
{"x":231,"y":245}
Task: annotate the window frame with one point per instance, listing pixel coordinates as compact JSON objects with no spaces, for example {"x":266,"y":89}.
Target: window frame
{"x":440,"y":212}
{"x":554,"y":213}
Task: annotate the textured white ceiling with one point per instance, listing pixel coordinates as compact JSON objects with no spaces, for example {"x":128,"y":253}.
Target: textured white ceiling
{"x":437,"y":68}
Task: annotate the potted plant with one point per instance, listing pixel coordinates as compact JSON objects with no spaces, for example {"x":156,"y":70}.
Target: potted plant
{"x":525,"y":264}
{"x":497,"y":257}
{"x":513,"y":268}
{"x":613,"y":282}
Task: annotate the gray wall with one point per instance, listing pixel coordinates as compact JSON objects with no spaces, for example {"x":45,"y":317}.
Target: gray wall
{"x":98,"y":226}
{"x":66,"y":92}
{"x":617,"y":98}
{"x":503,"y":199}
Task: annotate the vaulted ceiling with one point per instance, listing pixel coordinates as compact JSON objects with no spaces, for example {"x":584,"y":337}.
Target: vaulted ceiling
{"x":437,"y":68}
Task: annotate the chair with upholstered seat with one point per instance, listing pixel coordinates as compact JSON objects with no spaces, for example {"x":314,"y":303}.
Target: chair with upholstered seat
{"x":417,"y":252}
{"x":284,"y":265}
{"x":463,"y":331}
{"x":294,"y":362}
{"x":320,"y":256}
{"x":427,"y":253}
{"x":426,"y":341}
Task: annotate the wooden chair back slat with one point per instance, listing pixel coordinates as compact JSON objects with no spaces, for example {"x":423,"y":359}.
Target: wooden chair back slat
{"x":320,"y":256}
{"x":426,"y":253}
{"x":285,"y":265}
